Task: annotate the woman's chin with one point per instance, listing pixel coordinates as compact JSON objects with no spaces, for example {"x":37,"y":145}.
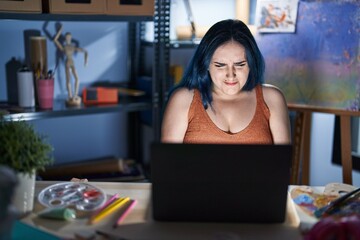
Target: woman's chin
{"x":231,"y":90}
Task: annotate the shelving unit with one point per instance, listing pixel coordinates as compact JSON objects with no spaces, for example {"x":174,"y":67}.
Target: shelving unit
{"x":72,"y":17}
{"x":60,"y":110}
{"x":178,"y":44}
{"x":161,"y":59}
{"x":130,"y":105}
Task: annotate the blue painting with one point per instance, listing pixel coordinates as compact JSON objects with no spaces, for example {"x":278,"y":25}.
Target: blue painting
{"x":319,"y":64}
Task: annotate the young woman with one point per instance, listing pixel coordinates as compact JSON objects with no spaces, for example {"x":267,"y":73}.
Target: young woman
{"x":222,"y":98}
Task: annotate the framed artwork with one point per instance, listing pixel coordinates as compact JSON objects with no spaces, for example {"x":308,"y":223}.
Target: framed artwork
{"x":276,"y":15}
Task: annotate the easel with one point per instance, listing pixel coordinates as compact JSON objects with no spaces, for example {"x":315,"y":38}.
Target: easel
{"x":301,"y":141}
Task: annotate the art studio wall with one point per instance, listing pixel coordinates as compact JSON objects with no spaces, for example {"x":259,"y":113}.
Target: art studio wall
{"x":318,"y":65}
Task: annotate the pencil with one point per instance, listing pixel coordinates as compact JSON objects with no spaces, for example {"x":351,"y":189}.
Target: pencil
{"x":107,"y":203}
{"x":130,"y":204}
{"x":108,"y":210}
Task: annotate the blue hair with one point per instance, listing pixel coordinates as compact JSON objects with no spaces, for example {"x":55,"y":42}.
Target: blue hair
{"x":196,"y":75}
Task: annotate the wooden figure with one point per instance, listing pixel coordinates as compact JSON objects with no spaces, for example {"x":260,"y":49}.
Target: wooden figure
{"x":69,"y":49}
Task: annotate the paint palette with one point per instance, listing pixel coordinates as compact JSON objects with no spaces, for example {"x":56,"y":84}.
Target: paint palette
{"x":310,"y":201}
{"x":81,"y":196}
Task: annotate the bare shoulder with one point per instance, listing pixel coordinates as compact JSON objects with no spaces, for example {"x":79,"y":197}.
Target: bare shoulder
{"x":181,"y":96}
{"x":273,"y":95}
{"x":179,"y":102}
{"x":271,"y":90}
{"x":175,"y":120}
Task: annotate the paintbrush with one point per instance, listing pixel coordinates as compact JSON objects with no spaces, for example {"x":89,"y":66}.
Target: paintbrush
{"x":336,"y":204}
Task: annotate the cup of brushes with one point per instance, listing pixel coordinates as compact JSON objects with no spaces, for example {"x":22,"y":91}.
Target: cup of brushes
{"x":45,"y":91}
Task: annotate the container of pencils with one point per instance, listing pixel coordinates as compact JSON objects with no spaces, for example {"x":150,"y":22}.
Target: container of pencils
{"x":45,"y":91}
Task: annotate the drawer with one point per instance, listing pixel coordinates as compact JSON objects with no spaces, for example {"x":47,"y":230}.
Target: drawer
{"x":22,"y":6}
{"x":77,"y":6}
{"x":130,"y":7}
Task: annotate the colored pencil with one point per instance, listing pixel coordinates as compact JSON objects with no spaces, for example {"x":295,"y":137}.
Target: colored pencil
{"x":107,"y":203}
{"x":108,"y":210}
{"x":130,"y":205}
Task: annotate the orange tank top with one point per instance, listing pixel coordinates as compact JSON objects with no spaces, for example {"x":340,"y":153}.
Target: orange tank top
{"x":201,"y":129}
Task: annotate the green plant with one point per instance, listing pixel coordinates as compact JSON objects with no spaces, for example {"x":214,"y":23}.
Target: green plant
{"x":21,"y":148}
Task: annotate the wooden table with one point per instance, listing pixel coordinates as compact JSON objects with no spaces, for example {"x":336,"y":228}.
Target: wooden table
{"x":139,"y":224}
{"x":301,"y":141}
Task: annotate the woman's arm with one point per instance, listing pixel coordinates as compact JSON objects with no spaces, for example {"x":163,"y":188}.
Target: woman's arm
{"x":175,"y":120}
{"x":279,"y":115}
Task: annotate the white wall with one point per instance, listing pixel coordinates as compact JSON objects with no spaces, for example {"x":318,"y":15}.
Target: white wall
{"x":355,"y":129}
{"x":205,"y":14}
{"x":322,"y":170}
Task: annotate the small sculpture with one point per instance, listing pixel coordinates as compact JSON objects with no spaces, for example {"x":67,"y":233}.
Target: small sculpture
{"x":69,"y":49}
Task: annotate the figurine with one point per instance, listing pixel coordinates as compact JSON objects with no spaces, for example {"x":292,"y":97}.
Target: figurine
{"x":69,"y":49}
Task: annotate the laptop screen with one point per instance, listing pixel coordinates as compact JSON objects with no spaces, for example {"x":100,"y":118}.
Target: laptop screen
{"x":220,"y":182}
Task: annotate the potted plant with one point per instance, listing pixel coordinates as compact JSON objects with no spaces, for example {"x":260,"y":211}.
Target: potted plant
{"x":25,"y":151}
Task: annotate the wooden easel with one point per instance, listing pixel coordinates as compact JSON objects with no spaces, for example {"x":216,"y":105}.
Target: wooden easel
{"x":301,"y":141}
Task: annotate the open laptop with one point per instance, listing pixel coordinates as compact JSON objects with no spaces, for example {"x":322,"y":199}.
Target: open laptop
{"x":220,"y":183}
